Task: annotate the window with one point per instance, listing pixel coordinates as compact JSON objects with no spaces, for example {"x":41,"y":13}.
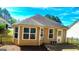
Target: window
{"x":51,"y":30}
{"x":32,"y":33}
{"x":29,"y":33}
{"x":16,"y":32}
{"x":59,"y":33}
{"x":26,"y":36}
{"x":26,"y":33}
{"x":33,"y":30}
{"x":42,"y":34}
{"x":26,"y":30}
{"x":51,"y":33}
{"x":32,"y":36}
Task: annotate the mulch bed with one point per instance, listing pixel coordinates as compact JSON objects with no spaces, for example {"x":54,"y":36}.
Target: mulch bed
{"x":59,"y":47}
{"x":33,"y":48}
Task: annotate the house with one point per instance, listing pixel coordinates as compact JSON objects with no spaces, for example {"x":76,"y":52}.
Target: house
{"x":38,"y":30}
{"x":73,"y":31}
{"x":3,"y":21}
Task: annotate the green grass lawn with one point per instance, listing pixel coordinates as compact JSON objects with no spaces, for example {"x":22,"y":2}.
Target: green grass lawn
{"x":10,"y":32}
{"x":73,"y":41}
{"x":8,"y":38}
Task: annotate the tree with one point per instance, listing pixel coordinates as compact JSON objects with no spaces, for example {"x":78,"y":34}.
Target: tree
{"x":2,"y":26}
{"x":55,"y":18}
{"x":0,"y":12}
{"x":12,"y":20}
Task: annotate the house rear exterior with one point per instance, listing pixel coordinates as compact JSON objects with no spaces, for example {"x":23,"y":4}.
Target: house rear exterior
{"x":38,"y":30}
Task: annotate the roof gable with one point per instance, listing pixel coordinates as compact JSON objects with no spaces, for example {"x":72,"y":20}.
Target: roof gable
{"x":40,"y":20}
{"x":46,"y":21}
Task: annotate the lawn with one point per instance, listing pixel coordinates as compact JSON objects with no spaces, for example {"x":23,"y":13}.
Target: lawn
{"x":73,"y":41}
{"x":10,"y":33}
{"x":8,"y":38}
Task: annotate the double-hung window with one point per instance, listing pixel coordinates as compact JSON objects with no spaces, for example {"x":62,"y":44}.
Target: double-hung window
{"x":16,"y":32}
{"x":26,"y":33}
{"x":50,"y":33}
{"x":29,"y":33}
{"x":32,"y":33}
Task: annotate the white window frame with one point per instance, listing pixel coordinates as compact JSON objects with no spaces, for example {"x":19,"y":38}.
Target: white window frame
{"x":29,"y":33}
{"x":26,"y":33}
{"x":51,"y":33}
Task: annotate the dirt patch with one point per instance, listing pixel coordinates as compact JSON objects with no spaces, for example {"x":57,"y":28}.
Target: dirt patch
{"x":9,"y":48}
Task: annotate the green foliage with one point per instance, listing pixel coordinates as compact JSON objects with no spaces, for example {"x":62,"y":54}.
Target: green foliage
{"x":2,"y":26}
{"x":12,"y":20}
{"x":8,"y":31}
{"x":4,"y":12}
{"x":55,"y":18}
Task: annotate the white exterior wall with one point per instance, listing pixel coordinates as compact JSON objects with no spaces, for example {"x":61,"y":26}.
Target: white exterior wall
{"x":73,"y":31}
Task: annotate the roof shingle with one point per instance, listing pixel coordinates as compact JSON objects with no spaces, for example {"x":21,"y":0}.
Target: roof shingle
{"x":40,"y":20}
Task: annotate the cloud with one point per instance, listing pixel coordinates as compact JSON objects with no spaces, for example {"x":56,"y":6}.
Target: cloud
{"x":13,"y":10}
{"x":21,"y":17}
{"x":63,"y":14}
{"x":76,"y":17}
{"x":73,"y":19}
{"x":57,"y":8}
{"x":76,"y":12}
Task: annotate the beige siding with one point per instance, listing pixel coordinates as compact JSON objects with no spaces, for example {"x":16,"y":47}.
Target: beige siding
{"x":46,"y":40}
{"x":31,"y":41}
{"x":37,"y":41}
{"x":64,"y":35}
{"x":55,"y":34}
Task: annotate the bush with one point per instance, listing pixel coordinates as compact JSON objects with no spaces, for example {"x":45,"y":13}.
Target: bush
{"x":8,"y":31}
{"x":2,"y":26}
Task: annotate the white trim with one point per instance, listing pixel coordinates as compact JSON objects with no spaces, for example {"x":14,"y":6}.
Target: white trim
{"x":29,"y":33}
{"x":52,"y":33}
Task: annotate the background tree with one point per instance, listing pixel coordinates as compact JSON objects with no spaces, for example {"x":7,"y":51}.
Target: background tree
{"x":12,"y":20}
{"x":2,"y":26}
{"x":55,"y":18}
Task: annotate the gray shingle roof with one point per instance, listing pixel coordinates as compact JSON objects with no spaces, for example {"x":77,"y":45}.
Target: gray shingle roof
{"x":40,"y":20}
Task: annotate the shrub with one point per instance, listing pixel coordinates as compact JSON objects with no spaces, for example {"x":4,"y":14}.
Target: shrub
{"x":2,"y":26}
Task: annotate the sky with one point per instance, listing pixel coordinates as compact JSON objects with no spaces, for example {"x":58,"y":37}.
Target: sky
{"x":67,"y":15}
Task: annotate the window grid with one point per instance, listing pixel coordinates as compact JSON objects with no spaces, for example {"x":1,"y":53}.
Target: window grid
{"x":31,"y":33}
{"x":51,"y":33}
{"x":16,"y":32}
